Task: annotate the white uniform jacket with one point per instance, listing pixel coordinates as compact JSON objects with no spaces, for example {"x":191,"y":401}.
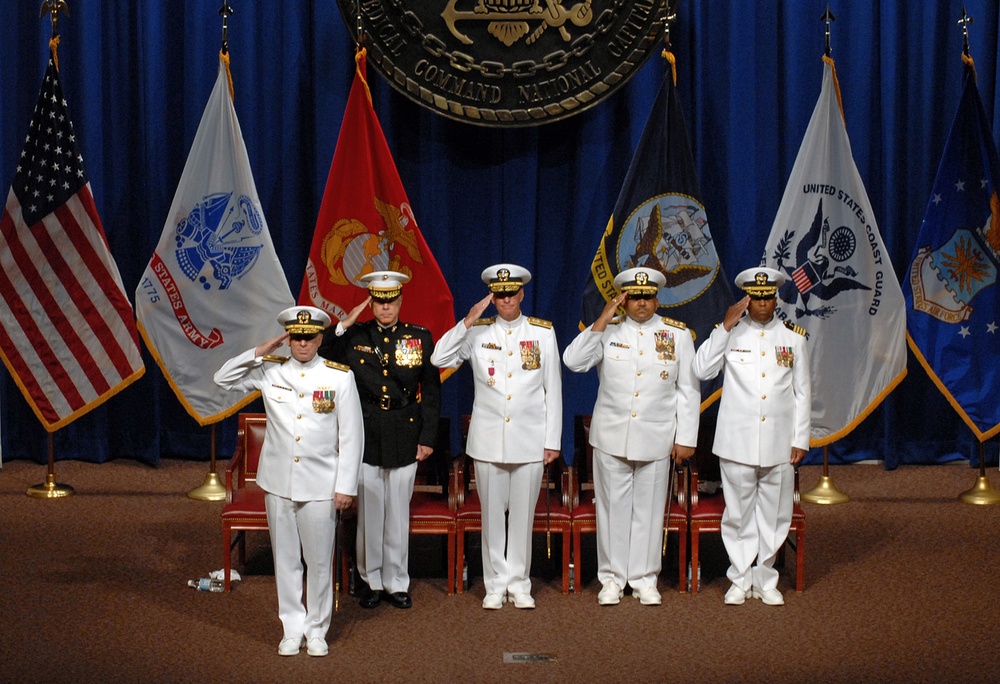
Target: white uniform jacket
{"x":517,"y":411}
{"x":649,"y":397}
{"x":315,"y":435}
{"x":766,"y":399}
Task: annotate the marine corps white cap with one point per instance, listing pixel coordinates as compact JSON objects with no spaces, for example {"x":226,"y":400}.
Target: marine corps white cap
{"x":760,"y":282}
{"x":304,"y":320}
{"x":384,"y":286}
{"x":506,"y":278}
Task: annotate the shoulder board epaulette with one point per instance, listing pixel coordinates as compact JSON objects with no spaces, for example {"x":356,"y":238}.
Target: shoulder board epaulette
{"x":486,"y":321}
{"x":676,"y":324}
{"x":795,"y":328}
{"x":339,"y":366}
{"x":541,"y":323}
{"x":275,"y":359}
{"x":616,"y":320}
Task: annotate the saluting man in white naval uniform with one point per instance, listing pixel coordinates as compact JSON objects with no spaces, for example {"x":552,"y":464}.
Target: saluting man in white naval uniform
{"x":647,"y":410}
{"x":308,"y":466}
{"x":763,"y":430}
{"x":516,"y":424}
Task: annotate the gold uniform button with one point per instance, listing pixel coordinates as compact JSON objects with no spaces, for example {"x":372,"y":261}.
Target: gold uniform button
{"x":297,"y":438}
{"x":510,"y":332}
{"x":763,"y":375}
{"x":510,"y":353}
{"x":639,"y":373}
{"x":762,"y":419}
{"x":633,"y":414}
{"x":383,"y":388}
{"x":385,"y":372}
{"x":640,"y":352}
{"x":510,"y":375}
{"x":508,"y":397}
{"x":761,"y":333}
{"x":763,"y":353}
{"x":301,"y":395}
{"x":507,"y":419}
{"x":763,"y":396}
{"x":296,"y":459}
{"x":636,"y":394}
{"x":385,"y":339}
{"x":299,"y":417}
{"x":361,"y":360}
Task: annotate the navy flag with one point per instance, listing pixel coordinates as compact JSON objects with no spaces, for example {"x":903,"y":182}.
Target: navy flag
{"x":660,"y":222}
{"x":953,"y":309}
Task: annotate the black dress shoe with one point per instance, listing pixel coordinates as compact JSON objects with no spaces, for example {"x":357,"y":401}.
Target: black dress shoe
{"x":400,"y":599}
{"x":370,"y":599}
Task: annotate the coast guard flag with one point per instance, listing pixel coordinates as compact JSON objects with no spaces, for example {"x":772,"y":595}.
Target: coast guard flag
{"x":660,"y":222}
{"x":841,"y":287}
{"x":214,"y":287}
{"x":953,"y":307}
{"x":67,"y":330}
{"x":366,"y":224}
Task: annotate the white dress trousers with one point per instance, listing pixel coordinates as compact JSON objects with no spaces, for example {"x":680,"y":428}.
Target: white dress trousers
{"x":384,"y":526}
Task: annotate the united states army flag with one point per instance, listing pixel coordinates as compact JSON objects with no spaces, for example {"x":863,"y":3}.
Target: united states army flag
{"x":214,"y":286}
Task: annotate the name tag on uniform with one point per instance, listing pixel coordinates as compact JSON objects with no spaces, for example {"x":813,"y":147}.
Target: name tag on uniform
{"x":323,"y":400}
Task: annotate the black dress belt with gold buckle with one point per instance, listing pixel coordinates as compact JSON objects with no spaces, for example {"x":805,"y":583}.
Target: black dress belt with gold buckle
{"x":388,"y":403}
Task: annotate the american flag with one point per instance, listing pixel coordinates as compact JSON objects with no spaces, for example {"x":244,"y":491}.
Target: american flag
{"x":67,"y":331}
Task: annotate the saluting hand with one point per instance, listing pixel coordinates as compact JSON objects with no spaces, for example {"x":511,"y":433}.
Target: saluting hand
{"x":265,"y":348}
{"x":735,"y":313}
{"x":477,"y":310}
{"x":352,"y":317}
{"x":610,"y":309}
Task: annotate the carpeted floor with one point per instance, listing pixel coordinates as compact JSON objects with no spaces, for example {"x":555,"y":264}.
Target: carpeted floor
{"x":901,"y":586}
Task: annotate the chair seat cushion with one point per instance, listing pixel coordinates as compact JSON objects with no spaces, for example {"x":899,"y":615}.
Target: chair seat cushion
{"x":555,"y":510}
{"x":247,"y":503}
{"x":708,"y":508}
{"x":472,"y":509}
{"x":430,"y":507}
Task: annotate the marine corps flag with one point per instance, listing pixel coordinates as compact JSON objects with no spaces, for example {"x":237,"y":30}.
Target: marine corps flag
{"x":953,"y":307}
{"x":67,"y":330}
{"x":659,"y":222}
{"x":841,"y":287}
{"x":214,"y":284}
{"x":366,"y":224}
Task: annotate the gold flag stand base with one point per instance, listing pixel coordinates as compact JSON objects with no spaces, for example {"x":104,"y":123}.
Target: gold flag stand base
{"x":825,"y":493}
{"x":981,"y":493}
{"x":51,"y":489}
{"x":210,"y":490}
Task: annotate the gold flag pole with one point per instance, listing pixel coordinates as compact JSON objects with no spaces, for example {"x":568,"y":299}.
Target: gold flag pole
{"x":981,"y":493}
{"x":211,"y":489}
{"x":51,"y":489}
{"x":825,"y":492}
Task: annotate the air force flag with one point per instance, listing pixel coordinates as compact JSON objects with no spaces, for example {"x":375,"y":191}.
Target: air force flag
{"x":953,"y":308}
{"x":841,"y":287}
{"x":214,"y":284}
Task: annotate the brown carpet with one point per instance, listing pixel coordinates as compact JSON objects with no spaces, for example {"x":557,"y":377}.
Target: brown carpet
{"x":901,"y":586}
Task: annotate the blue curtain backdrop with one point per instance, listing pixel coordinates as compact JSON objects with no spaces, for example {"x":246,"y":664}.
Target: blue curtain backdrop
{"x":137,"y":76}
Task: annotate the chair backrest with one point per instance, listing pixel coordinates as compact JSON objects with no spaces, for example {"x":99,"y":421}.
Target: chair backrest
{"x":583,"y":457}
{"x":250,"y":440}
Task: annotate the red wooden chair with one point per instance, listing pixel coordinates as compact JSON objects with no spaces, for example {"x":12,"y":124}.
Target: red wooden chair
{"x":584,"y":511}
{"x":435,"y":498}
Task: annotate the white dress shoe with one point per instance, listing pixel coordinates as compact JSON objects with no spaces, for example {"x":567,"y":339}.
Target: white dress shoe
{"x":610,"y":594}
{"x":648,"y":596}
{"x":493,"y":601}
{"x":770,"y":597}
{"x":317,"y":647}
{"x":735,"y":596}
{"x":522,"y":600}
{"x":290,"y":646}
